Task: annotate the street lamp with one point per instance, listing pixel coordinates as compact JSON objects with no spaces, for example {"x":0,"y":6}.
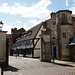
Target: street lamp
{"x":3,"y":58}
{"x":1,"y":25}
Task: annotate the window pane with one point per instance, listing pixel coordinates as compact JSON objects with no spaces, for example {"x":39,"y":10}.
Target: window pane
{"x":63,"y":15}
{"x":64,"y":35}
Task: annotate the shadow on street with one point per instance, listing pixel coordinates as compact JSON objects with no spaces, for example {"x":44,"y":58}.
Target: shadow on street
{"x":10,"y":68}
{"x":66,"y":65}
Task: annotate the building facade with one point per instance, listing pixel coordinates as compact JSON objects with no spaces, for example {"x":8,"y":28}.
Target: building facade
{"x":62,"y":30}
{"x":14,"y":34}
{"x":51,"y":39}
{"x":28,"y":44}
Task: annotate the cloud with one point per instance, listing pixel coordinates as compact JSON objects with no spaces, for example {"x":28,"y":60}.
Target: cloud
{"x":72,"y":8}
{"x":73,"y":0}
{"x":35,"y":22}
{"x":67,"y":3}
{"x":7,"y":28}
{"x":25,"y":26}
{"x":38,"y":10}
{"x":18,"y":21}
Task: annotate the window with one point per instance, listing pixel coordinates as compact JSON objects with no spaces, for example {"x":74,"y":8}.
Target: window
{"x":54,"y":23}
{"x":25,"y":43}
{"x":64,"y":35}
{"x":29,"y":33}
{"x":24,"y":35}
{"x":63,"y":15}
{"x":18,"y":38}
{"x":31,"y":42}
{"x":53,"y":37}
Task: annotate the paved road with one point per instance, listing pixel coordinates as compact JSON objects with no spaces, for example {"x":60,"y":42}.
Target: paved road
{"x":30,"y":66}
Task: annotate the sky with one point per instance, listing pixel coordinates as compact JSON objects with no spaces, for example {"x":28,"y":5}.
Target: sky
{"x":28,"y":13}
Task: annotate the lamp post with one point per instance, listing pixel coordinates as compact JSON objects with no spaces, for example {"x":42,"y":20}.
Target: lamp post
{"x":1,"y":25}
{"x":3,"y":49}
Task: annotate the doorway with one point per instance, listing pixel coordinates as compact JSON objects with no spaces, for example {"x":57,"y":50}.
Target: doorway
{"x":55,"y":52}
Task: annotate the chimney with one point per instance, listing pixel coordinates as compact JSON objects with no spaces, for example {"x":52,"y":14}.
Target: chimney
{"x":12,"y":30}
{"x":15,"y":29}
{"x":53,"y":14}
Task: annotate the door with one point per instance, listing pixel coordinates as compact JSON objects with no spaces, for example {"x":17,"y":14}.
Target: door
{"x":55,"y":52}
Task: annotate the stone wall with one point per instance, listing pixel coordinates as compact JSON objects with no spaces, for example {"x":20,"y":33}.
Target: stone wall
{"x":64,"y":33}
{"x":3,"y":47}
{"x":45,"y":48}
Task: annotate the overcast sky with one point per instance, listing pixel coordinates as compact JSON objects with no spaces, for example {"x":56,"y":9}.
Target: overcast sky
{"x":28,"y":13}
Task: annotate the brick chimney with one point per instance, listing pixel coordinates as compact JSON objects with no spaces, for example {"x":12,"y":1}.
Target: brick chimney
{"x":53,"y":14}
{"x":13,"y":30}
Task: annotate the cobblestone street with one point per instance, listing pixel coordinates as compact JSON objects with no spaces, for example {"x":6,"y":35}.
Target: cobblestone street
{"x":30,"y":66}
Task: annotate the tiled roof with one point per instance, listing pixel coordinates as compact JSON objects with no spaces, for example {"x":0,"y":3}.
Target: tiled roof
{"x":73,"y":41}
{"x":34,"y":31}
{"x":21,"y":29}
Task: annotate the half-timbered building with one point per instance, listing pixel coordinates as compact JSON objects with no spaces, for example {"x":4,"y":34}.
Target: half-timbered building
{"x":28,"y":43}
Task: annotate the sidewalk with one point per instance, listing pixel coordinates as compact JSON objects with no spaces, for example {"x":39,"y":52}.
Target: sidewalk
{"x":59,"y":62}
{"x":65,"y":63}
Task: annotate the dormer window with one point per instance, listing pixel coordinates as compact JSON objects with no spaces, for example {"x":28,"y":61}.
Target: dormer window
{"x":29,"y":33}
{"x":18,"y":38}
{"x":24,"y":35}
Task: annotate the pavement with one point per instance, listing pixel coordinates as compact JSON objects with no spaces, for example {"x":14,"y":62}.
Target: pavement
{"x":65,"y":63}
{"x":30,"y":66}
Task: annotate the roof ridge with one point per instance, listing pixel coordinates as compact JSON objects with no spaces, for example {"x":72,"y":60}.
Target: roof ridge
{"x":34,"y":26}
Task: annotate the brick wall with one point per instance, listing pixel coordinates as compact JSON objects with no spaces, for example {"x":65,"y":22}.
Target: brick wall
{"x":14,"y":35}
